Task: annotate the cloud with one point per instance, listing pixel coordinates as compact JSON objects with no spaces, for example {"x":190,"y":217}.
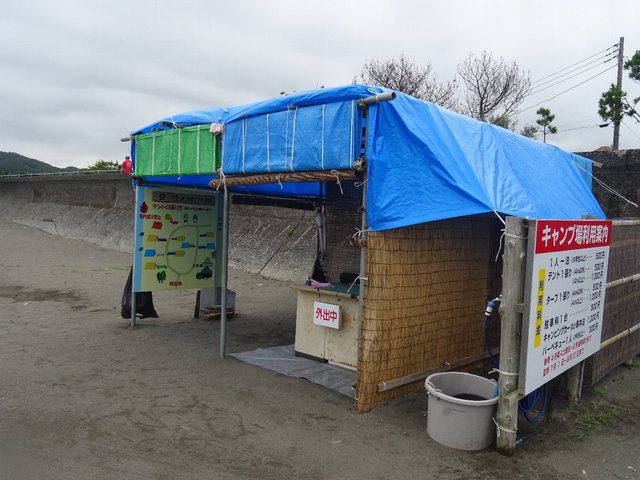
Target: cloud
{"x":78,"y":75}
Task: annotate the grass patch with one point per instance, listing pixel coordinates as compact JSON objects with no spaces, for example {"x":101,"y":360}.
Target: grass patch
{"x":594,"y":417}
{"x":600,"y":392}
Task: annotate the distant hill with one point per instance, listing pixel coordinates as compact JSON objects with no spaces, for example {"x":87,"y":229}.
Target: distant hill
{"x":11,"y":162}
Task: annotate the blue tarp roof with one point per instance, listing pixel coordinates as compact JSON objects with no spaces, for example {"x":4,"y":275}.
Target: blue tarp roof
{"x":426,"y":163}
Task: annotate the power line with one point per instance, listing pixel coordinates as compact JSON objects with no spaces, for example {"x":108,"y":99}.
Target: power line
{"x":577,"y":63}
{"x":590,"y":119}
{"x":605,"y":57}
{"x":577,"y":128}
{"x":568,"y":89}
{"x":582,"y":68}
{"x":629,"y":128}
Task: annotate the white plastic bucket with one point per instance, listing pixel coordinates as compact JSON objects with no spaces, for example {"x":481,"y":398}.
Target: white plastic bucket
{"x":461,"y":410}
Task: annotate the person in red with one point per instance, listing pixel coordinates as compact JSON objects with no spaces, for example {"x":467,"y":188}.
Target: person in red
{"x":127,"y":166}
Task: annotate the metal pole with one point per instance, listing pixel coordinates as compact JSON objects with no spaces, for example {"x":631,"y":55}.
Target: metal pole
{"x":513,"y":277}
{"x":363,"y":267}
{"x":381,"y":97}
{"x":364,"y":227}
{"x":224,"y":279}
{"x":132,"y":321}
{"x":616,"y":126}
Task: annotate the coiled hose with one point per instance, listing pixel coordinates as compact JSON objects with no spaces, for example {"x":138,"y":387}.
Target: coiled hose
{"x":528,"y":403}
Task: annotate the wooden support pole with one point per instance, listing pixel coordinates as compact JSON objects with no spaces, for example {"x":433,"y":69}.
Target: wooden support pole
{"x":625,"y":223}
{"x":265,"y":178}
{"x":513,"y":277}
{"x":622,"y":281}
{"x":574,"y":377}
{"x":619,"y":336}
{"x":386,"y":385}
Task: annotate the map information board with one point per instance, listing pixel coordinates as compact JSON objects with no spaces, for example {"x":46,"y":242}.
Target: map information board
{"x":177,"y":238}
{"x":564,"y":297}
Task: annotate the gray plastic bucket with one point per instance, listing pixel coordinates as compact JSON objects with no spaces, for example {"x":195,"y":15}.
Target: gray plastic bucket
{"x":461,"y":410}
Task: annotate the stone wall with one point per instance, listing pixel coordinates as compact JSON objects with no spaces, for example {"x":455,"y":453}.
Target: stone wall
{"x":273,"y":241}
{"x":621,"y":171}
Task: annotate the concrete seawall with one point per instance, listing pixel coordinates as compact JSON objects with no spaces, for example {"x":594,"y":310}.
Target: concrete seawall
{"x":273,"y":241}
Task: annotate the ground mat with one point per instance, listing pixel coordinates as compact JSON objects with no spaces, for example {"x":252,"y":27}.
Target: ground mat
{"x":282,"y":359}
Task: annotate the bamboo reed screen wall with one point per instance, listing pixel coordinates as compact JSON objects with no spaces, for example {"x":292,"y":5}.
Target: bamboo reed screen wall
{"x":425,"y":296}
{"x":622,"y":303}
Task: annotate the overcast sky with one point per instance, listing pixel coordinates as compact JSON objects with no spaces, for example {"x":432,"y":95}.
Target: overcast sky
{"x":78,"y":75}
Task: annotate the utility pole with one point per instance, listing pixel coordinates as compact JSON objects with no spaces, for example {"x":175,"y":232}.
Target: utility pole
{"x":616,"y":125}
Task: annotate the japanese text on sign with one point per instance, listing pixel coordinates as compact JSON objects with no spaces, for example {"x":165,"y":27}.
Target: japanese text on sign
{"x":567,"y":271}
{"x":326,"y":314}
{"x":176,"y":241}
{"x":559,"y":235}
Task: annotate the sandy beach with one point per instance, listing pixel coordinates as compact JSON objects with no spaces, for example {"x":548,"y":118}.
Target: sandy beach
{"x":84,"y":396}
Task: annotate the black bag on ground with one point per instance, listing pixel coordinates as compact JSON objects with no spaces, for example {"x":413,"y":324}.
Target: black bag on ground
{"x":144,"y":301}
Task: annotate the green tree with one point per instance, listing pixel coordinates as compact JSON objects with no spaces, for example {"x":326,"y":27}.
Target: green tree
{"x":613,"y":105}
{"x":529,"y":131}
{"x":546,"y":117}
{"x":104,"y":165}
{"x":633,"y":66}
{"x":504,"y":121}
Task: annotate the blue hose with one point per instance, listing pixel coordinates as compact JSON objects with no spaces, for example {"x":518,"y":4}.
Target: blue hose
{"x":528,"y":403}
{"x":487,"y":346}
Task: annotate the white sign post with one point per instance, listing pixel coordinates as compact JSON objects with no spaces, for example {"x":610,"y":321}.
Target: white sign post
{"x":564,"y":297}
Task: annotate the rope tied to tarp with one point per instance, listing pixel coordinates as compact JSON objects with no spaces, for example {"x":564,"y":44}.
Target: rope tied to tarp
{"x":357,"y":279}
{"x":337,"y":175}
{"x":224,"y":181}
{"x":605,"y":186}
{"x":509,"y":235}
{"x":360,"y":233}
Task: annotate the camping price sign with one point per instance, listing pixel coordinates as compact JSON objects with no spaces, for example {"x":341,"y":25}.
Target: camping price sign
{"x":564,"y":297}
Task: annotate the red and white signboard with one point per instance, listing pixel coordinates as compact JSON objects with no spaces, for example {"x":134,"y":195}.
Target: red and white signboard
{"x":326,"y":314}
{"x":564,"y":297}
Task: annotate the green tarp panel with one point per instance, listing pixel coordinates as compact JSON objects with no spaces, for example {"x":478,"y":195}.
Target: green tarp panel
{"x":182,"y":151}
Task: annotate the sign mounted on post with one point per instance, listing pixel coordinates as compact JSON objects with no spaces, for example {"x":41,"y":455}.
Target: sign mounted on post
{"x":564,"y":297}
{"x":177,"y":239}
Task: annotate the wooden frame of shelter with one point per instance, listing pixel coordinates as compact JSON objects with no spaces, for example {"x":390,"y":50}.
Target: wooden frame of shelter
{"x":423,"y":288}
{"x":425,"y":278}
